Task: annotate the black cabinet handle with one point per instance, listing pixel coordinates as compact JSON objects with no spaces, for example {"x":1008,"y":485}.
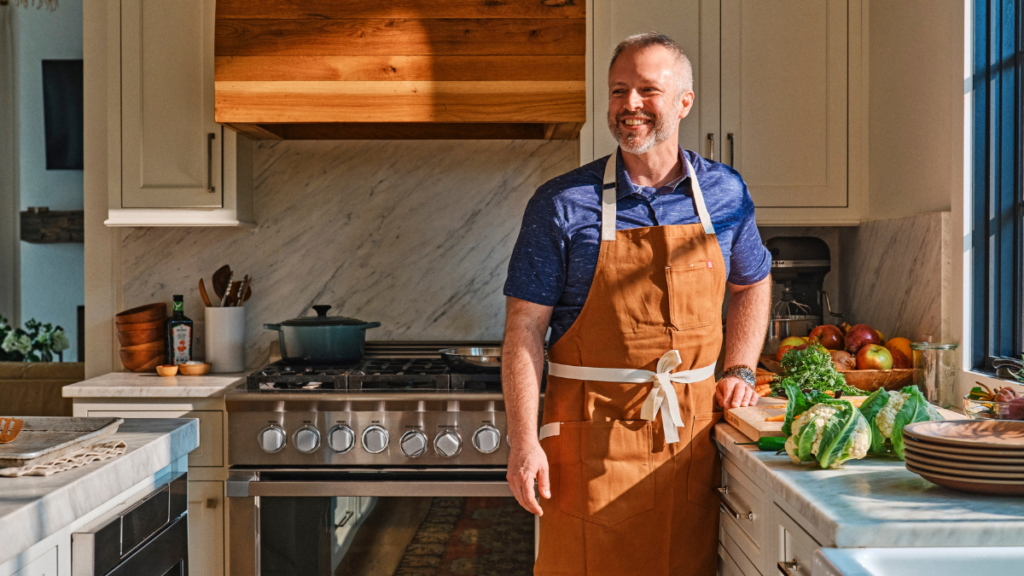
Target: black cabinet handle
{"x":209,"y":163}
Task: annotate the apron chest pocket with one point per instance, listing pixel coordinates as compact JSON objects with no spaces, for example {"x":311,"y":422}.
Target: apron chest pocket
{"x":688,"y":287}
{"x":606,"y":471}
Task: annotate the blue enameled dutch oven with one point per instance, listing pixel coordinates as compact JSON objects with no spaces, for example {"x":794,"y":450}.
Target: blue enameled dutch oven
{"x":322,"y":339}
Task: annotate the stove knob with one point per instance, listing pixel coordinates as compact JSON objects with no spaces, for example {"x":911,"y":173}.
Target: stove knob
{"x":487,"y":439}
{"x":414,"y":444}
{"x":375,"y":439}
{"x":341,"y":439}
{"x":307,"y":439}
{"x":448,"y":444}
{"x":272,"y":439}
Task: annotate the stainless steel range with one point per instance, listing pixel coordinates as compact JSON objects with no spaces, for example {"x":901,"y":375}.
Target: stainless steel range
{"x":341,"y":469}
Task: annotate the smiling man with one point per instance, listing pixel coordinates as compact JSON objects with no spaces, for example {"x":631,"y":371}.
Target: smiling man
{"x":627,"y":261}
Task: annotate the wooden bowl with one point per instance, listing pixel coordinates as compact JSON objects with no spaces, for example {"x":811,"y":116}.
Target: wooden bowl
{"x":147,"y":313}
{"x":871,"y":380}
{"x":140,"y":326}
{"x":142,"y":360}
{"x":167,"y":370}
{"x":137,"y":337}
{"x":155,"y":346}
{"x":194,"y":369}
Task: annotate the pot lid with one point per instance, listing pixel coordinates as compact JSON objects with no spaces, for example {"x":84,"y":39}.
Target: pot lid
{"x":322,"y":319}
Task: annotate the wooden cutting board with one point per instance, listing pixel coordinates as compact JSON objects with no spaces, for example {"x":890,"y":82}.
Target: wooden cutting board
{"x":750,"y":420}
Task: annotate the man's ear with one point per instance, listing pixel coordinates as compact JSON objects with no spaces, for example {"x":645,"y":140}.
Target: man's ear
{"x":687,"y":103}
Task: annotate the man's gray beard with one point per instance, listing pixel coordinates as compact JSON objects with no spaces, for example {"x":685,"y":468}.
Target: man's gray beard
{"x":663,"y":129}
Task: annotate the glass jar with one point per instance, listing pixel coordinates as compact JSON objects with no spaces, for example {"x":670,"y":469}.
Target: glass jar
{"x":935,"y":372}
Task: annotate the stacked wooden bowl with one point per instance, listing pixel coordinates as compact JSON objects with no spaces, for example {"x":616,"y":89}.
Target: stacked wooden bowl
{"x":141,"y":334}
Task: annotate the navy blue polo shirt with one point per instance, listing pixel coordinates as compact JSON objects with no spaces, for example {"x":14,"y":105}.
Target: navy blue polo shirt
{"x":555,"y":256}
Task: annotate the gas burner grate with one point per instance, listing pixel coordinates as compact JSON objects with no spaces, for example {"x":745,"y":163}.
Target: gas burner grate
{"x":399,"y":374}
{"x":297,"y":377}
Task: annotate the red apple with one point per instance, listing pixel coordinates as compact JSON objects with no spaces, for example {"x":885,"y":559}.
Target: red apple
{"x":861,"y":335}
{"x":828,"y":336}
{"x":874,"y":357}
{"x":899,"y":359}
{"x":786,"y":348}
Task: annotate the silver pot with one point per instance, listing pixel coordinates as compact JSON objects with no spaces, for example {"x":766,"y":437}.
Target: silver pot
{"x":783,"y":327}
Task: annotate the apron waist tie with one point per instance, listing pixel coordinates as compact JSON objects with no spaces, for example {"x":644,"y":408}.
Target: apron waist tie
{"x":662,"y":397}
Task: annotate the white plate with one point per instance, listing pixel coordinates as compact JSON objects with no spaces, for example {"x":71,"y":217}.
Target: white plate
{"x":963,"y":450}
{"x":964,"y":459}
{"x":990,"y":434}
{"x":1014,"y":475}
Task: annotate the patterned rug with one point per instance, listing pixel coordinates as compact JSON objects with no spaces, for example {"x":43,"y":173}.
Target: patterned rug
{"x":471,"y":537}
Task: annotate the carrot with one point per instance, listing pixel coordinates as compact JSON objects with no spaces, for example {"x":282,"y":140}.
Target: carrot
{"x":776,"y":418}
{"x":764,"y":378}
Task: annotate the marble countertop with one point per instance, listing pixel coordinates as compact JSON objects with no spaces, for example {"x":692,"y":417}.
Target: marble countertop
{"x":150,"y":385}
{"x":878,"y":502}
{"x":34,"y":507}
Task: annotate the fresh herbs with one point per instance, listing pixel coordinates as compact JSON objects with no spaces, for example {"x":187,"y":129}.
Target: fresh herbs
{"x":812,"y":369}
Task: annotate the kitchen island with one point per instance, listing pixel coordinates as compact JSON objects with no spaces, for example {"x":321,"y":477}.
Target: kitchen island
{"x":775,"y":511}
{"x":39,"y":513}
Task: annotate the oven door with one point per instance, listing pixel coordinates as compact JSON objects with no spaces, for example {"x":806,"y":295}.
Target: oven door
{"x":377,"y":522}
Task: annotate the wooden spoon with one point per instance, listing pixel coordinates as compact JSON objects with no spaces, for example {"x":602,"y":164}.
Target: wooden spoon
{"x":202,"y":292}
{"x":221,"y":280}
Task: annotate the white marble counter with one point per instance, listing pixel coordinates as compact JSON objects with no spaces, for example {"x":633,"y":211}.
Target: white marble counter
{"x":34,"y":507}
{"x":151,"y":385}
{"x":878,"y":502}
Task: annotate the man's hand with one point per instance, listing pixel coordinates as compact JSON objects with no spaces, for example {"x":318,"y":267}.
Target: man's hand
{"x":524,"y":467}
{"x":732,"y":392}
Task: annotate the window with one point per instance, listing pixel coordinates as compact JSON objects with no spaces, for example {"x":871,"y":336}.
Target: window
{"x":997,"y":187}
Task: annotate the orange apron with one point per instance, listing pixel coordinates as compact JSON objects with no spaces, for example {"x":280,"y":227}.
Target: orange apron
{"x":627,"y":423}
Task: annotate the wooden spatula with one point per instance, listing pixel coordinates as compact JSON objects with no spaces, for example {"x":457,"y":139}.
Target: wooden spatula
{"x":9,"y":429}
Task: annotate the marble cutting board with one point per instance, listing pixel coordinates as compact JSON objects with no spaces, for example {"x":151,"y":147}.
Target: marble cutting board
{"x":46,"y":438}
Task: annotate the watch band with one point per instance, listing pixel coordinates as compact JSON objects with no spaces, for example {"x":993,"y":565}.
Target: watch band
{"x":742,"y":372}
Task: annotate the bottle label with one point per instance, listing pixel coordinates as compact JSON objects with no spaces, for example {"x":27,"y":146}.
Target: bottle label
{"x":182,"y":339}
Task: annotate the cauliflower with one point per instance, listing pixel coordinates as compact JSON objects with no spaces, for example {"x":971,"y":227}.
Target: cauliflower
{"x":855,"y":447}
{"x":887,"y":415}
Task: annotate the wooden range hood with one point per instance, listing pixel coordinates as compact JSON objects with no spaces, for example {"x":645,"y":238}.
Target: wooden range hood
{"x":401,"y":69}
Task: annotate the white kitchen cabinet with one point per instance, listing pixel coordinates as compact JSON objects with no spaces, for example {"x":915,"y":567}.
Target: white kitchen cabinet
{"x":779,"y":95}
{"x":206,"y":528}
{"x":784,"y":99}
{"x":177,"y":166}
{"x":793,"y":545}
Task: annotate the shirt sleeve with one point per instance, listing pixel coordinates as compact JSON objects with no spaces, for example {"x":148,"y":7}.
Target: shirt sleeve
{"x":750,"y":260}
{"x":537,"y":269}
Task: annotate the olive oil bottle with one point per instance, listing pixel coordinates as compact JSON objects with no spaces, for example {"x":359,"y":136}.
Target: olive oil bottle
{"x":179,"y":334}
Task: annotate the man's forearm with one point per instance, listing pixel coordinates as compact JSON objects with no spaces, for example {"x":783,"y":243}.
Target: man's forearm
{"x":746,"y":323}
{"x":522,"y":365}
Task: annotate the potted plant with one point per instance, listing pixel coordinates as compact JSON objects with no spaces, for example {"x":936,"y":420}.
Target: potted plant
{"x":37,"y":342}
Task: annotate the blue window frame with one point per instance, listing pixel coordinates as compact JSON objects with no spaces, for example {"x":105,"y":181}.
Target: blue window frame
{"x":997,"y":187}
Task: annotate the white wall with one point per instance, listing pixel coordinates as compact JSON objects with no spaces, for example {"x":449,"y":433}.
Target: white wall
{"x":52,"y":275}
{"x":915,"y":99}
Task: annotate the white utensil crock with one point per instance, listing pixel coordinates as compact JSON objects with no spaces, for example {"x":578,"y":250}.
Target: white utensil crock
{"x":225,"y":335}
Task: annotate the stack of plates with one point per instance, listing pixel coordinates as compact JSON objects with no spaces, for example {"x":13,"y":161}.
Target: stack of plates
{"x":982,"y":456}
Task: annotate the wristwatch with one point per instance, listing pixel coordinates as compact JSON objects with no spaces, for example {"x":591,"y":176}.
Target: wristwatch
{"x":742,"y":372}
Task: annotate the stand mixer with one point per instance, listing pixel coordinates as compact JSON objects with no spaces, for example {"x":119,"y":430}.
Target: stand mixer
{"x":799,"y":266}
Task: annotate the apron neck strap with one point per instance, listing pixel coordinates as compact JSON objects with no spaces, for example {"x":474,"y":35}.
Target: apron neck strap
{"x":609,"y":191}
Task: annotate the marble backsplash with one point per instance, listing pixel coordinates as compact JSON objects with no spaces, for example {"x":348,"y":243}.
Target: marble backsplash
{"x":413,"y":234}
{"x":896,"y":276}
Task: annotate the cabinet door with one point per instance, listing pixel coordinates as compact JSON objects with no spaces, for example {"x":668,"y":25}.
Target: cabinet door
{"x":794,"y":546}
{"x":206,"y":528}
{"x":784,"y":99}
{"x":693,"y":24}
{"x":171,"y":147}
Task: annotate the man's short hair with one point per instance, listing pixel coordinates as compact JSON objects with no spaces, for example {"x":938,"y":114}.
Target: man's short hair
{"x":684,"y":73}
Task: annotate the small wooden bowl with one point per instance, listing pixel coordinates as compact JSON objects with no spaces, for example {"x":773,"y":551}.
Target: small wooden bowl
{"x":142,"y":360}
{"x":156,"y":346}
{"x":142,"y":326}
{"x":194,"y":369}
{"x":137,"y":337}
{"x":871,"y":380}
{"x":167,"y":370}
{"x":147,"y":313}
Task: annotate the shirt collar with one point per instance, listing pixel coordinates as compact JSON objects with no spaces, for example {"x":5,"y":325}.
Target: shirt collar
{"x":625,"y":187}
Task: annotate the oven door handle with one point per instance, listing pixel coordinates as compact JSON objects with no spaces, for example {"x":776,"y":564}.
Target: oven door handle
{"x":248,"y":484}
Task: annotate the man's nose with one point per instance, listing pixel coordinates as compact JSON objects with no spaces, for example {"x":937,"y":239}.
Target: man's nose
{"x":634,"y":102}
